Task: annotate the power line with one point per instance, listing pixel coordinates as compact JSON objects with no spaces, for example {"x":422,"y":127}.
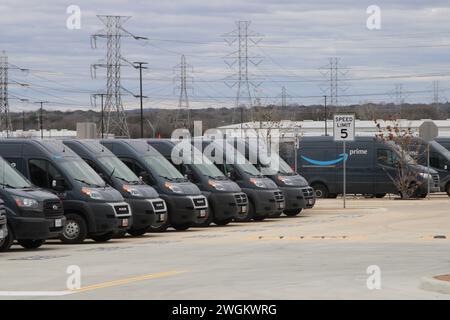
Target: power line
{"x":183,"y":117}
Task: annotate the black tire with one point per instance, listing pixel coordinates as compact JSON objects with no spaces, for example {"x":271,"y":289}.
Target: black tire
{"x":7,"y":242}
{"x":159,"y":228}
{"x":75,"y":231}
{"x":30,"y":244}
{"x":320,"y":190}
{"x":249,"y":215}
{"x":332,"y":196}
{"x":380,"y":195}
{"x":182,"y":226}
{"x":138,"y":232}
{"x":292,"y":212}
{"x":276,"y":215}
{"x":223,"y":222}
{"x":259,"y":218}
{"x":103,"y":237}
{"x":447,"y":189}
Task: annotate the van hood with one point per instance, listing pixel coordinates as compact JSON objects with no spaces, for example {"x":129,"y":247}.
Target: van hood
{"x":188,"y":188}
{"x":424,"y":169}
{"x":109,"y":194}
{"x":229,"y":186}
{"x":145,"y":190}
{"x":37,"y":194}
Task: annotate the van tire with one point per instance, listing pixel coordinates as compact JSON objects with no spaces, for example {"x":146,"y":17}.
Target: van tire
{"x":259,"y":218}
{"x":30,"y":244}
{"x":103,"y":237}
{"x":380,"y":195}
{"x":182,"y":226}
{"x":75,"y":231}
{"x":249,"y":215}
{"x":7,"y":242}
{"x":320,"y":190}
{"x":138,"y":232}
{"x":292,"y":212}
{"x":223,"y":222}
{"x":161,"y":228}
{"x":276,"y":215}
{"x":447,"y":189}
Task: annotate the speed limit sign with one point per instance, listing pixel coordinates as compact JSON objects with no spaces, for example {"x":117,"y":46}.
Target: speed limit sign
{"x":344,"y":127}
{"x":344,"y":130}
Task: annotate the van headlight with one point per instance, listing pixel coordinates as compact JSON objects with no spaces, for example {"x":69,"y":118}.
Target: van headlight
{"x":26,"y":203}
{"x":91,"y":193}
{"x":425,"y":175}
{"x":258,"y":182}
{"x":173,"y":187}
{"x":216,"y":185}
{"x":286,"y":180}
{"x":131,"y":190}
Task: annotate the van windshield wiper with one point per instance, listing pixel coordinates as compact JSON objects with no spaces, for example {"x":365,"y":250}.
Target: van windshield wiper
{"x":87,"y":183}
{"x":167,"y":178}
{"x":8,"y":186}
{"x":123,"y":179}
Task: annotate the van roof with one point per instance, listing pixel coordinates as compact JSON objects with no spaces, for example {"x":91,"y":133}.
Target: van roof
{"x":52,"y":146}
{"x":90,"y":146}
{"x":139,"y":146}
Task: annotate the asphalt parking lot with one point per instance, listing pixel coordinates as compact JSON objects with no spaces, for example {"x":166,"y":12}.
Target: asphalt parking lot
{"x":324,"y":253}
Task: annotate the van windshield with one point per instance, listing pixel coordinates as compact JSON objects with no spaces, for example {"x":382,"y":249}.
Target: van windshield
{"x":10,"y":178}
{"x":205,"y":166}
{"x":118,"y":169}
{"x":439,"y":148}
{"x":82,"y":172}
{"x":282,"y":167}
{"x":234,"y":157}
{"x":163,"y":167}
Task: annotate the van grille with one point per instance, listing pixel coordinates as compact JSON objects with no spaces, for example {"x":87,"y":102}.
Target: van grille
{"x":199,"y":202}
{"x":122,"y":210}
{"x":53,"y":208}
{"x":308,"y":193}
{"x":159,"y":205}
{"x":241,"y":199}
{"x":279,"y":196}
{"x":435,"y":180}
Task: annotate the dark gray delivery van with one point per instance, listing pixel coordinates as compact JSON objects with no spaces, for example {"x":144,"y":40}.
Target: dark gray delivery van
{"x":264,"y":197}
{"x":92,"y":209}
{"x":186,"y":205}
{"x":298,"y":194}
{"x":146,"y":206}
{"x":372,"y":167}
{"x":225,"y":198}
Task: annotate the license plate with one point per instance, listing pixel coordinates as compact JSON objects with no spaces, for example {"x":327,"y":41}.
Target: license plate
{"x":58,"y":223}
{"x":310,"y":201}
{"x":280,"y":205}
{"x":202,"y":213}
{"x":162,"y":217}
{"x":125,"y":223}
{"x":2,"y":234}
{"x":243,"y":209}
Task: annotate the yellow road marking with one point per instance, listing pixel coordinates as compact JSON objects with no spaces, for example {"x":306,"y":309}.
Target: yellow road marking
{"x":120,"y":282}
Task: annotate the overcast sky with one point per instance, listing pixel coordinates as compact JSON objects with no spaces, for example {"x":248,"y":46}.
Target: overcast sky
{"x":412,"y":49}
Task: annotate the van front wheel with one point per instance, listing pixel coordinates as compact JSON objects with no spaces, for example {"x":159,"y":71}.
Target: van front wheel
{"x":7,"y":242}
{"x":30,"y":244}
{"x":448,"y":189}
{"x":75,"y":231}
{"x":292,"y":212}
{"x":320,"y":190}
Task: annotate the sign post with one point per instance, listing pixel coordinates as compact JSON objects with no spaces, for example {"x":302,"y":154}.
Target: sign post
{"x":344,"y":130}
{"x":428,"y":131}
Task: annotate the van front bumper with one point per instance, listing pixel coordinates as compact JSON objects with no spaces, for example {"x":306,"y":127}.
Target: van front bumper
{"x":38,"y":228}
{"x":228,"y":205}
{"x":110,"y":217}
{"x":188,"y":210}
{"x":3,"y":228}
{"x":147,"y":212}
{"x":266,"y":201}
{"x":298,"y":197}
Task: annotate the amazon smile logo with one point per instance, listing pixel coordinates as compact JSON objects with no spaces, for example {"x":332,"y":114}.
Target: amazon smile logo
{"x":342,"y":157}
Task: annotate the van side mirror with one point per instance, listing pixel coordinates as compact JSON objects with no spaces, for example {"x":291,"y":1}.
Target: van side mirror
{"x":58,"y":184}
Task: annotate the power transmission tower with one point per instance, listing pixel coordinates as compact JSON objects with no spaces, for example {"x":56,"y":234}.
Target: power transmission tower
{"x":5,"y":119}
{"x":243,"y":38}
{"x":115,"y":116}
{"x":183,"y":117}
{"x":436,"y":97}
{"x":335,"y":75}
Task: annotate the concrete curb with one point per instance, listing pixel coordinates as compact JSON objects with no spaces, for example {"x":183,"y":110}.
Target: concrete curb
{"x":432,"y":284}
